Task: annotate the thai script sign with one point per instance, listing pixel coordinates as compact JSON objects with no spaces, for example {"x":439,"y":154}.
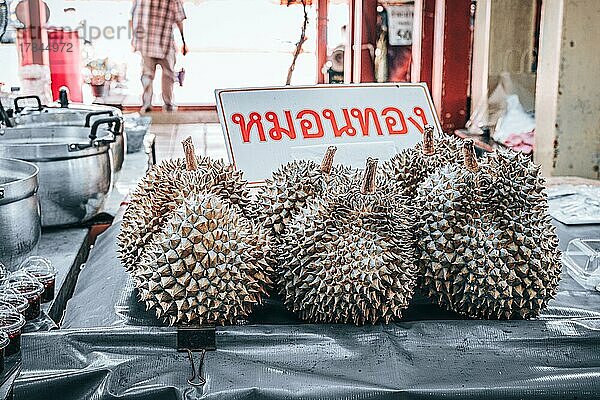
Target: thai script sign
{"x":267,"y":127}
{"x":400,"y":24}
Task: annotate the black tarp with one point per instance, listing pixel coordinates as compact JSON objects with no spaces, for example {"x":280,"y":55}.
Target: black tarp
{"x":109,"y":347}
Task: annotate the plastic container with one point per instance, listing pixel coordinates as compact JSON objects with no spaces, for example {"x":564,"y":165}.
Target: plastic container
{"x":30,"y":288}
{"x":4,"y":342}
{"x":41,"y":268}
{"x":65,"y":64}
{"x":13,"y":298}
{"x":582,"y":259}
{"x":136,"y":128}
{"x":11,"y":322}
{"x":575,"y":204}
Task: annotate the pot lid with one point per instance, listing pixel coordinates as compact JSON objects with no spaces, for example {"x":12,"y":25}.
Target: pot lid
{"x":55,"y":108}
{"x":52,"y":142}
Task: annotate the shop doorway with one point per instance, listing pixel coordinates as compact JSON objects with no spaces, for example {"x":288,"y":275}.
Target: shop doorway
{"x":232,"y":43}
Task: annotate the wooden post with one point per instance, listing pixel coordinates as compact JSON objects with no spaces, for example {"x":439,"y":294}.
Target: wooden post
{"x":349,"y":51}
{"x":368,"y":40}
{"x":425,"y":70}
{"x":357,"y":28}
{"x":417,"y":39}
{"x":481,"y":55}
{"x":567,"y":137}
{"x":322,"y":11}
{"x":361,"y":31}
{"x":454,"y":90}
{"x":547,"y":84}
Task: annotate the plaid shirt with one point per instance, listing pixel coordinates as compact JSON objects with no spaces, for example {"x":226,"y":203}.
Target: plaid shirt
{"x":153,"y":22}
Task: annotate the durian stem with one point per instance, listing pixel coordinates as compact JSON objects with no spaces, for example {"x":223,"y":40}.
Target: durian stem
{"x":428,"y":142}
{"x":470,"y":156}
{"x":327,"y":162}
{"x":191,"y":164}
{"x":368,"y":182}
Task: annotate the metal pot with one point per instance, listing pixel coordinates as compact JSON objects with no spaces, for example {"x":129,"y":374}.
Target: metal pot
{"x":71,"y":115}
{"x":75,"y":167}
{"x":20,"y":227}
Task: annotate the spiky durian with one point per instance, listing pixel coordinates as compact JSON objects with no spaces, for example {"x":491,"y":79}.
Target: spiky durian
{"x":292,"y":185}
{"x":205,"y":266}
{"x":412,"y":166}
{"x":349,"y":256}
{"x":161,"y":191}
{"x":486,"y":244}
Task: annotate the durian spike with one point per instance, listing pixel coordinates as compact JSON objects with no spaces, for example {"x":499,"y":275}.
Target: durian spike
{"x":470,"y":156}
{"x":191,"y":164}
{"x":368,"y":182}
{"x":428,"y":142}
{"x":327,"y":162}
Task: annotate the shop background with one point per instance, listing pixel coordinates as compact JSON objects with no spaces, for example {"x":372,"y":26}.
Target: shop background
{"x":233,"y":43}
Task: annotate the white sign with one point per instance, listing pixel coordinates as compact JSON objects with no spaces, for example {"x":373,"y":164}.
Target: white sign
{"x":267,"y":127}
{"x":400,"y":24}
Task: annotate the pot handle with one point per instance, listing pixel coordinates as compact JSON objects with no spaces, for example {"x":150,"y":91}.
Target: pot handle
{"x":36,"y":98}
{"x":102,"y":121}
{"x":4,"y":117}
{"x":88,"y":117}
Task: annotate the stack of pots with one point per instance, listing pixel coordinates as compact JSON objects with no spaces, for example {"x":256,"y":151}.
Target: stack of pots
{"x":78,"y":150}
{"x":68,"y":114}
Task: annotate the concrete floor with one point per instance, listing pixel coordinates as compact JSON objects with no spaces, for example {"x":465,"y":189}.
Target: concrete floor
{"x":207,"y":137}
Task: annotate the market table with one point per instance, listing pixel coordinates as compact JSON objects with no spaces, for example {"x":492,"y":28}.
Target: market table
{"x":67,"y":249}
{"x":110,"y":347}
{"x":60,"y":246}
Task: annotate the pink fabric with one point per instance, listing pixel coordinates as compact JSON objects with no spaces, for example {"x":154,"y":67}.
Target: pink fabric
{"x":153,"y":22}
{"x":522,"y":142}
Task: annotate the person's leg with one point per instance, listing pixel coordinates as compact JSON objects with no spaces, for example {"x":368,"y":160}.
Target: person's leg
{"x":148,"y":72}
{"x":168,"y":79}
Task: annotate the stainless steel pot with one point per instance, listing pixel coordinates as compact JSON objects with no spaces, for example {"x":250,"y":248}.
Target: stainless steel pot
{"x":73,"y":115}
{"x":20,"y":227}
{"x":75,"y":167}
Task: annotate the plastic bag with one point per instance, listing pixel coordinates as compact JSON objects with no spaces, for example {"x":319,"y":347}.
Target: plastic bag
{"x":514,"y":121}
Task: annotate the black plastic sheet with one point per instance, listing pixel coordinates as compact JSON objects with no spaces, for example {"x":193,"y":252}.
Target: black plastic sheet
{"x":412,"y":360}
{"x":111,"y":348}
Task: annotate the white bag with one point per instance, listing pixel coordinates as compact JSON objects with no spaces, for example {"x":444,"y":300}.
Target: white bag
{"x":514,"y":121}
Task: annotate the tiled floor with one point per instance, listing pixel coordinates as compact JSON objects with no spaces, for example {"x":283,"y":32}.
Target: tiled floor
{"x":208,"y":140}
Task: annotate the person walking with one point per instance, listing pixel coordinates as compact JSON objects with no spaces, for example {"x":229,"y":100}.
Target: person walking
{"x":153,"y":22}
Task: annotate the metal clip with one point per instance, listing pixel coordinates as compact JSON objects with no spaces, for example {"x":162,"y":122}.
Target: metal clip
{"x":197,"y":374}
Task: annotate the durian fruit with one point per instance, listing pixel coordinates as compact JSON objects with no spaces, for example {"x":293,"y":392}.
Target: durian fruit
{"x":348,"y":257}
{"x":292,"y":186}
{"x":486,"y":243}
{"x":205,"y":266}
{"x":161,"y":190}
{"x":412,"y":166}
